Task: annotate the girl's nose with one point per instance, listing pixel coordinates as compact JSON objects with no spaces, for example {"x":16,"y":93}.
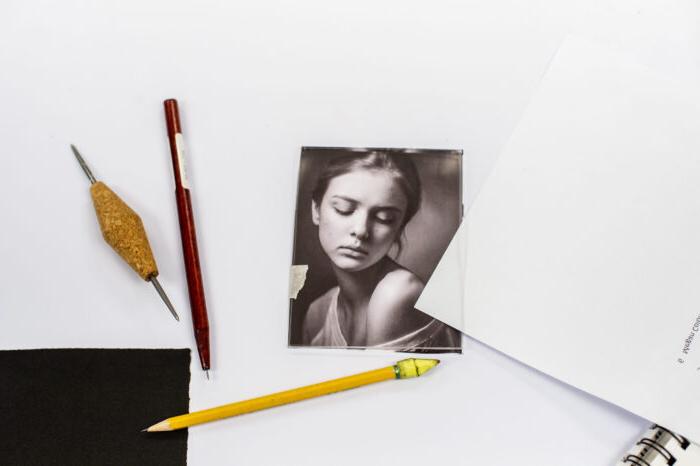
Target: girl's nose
{"x":360,"y":229}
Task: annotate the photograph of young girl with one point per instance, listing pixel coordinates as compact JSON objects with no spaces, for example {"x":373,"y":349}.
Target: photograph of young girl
{"x":371,"y":225}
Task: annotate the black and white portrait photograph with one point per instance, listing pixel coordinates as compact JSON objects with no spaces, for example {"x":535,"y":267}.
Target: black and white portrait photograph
{"x":370,"y":228}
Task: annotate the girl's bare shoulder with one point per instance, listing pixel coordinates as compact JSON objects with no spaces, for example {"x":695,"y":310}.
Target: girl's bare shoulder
{"x":391,"y":309}
{"x":399,"y":284}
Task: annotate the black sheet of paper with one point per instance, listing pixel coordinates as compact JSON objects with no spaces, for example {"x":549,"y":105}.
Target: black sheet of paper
{"x":88,"y":406}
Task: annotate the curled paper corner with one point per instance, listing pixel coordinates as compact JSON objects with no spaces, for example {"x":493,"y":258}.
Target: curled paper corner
{"x":443,"y":295}
{"x":297,"y":278}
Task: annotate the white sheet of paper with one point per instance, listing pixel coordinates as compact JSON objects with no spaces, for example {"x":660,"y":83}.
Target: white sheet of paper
{"x":581,"y":255}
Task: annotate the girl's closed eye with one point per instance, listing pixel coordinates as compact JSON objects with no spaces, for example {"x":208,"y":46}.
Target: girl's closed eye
{"x":343,"y":207}
{"x":386,"y":217}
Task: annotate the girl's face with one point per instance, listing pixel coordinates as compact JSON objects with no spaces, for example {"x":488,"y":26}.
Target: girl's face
{"x":359,"y":218}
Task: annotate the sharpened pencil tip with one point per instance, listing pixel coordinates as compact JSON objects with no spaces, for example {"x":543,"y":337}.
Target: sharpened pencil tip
{"x":144,"y":430}
{"x":207,"y":374}
{"x":162,"y":426}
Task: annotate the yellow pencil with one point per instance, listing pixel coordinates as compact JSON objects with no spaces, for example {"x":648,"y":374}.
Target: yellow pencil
{"x":404,"y":369}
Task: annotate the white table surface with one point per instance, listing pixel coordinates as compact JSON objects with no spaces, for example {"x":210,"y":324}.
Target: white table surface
{"x":255,"y":81}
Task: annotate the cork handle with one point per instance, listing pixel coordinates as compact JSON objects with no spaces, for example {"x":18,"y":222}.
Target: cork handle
{"x":123,"y":229}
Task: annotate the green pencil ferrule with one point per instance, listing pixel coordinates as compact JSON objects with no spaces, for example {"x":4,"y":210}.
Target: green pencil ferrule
{"x":412,"y":367}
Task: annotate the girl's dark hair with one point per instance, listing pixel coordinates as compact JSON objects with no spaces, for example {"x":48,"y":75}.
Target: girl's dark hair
{"x":399,"y":165}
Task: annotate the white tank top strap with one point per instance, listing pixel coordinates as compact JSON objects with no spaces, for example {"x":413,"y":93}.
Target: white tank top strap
{"x":416,"y":339}
{"x":330,"y":334}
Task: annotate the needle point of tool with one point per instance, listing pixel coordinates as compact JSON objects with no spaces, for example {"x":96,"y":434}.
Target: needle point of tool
{"x":82,"y":163}
{"x":164,"y":297}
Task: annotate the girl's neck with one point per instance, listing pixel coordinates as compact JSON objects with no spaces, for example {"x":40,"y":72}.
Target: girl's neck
{"x":356,"y":289}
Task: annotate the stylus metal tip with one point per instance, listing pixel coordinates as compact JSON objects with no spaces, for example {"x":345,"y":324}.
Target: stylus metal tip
{"x":82,"y":163}
{"x":164,"y":297}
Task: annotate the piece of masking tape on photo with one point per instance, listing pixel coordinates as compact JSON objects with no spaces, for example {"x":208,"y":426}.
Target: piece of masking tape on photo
{"x":297,"y":278}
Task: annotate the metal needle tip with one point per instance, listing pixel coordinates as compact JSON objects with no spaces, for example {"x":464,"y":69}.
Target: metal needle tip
{"x":83,"y":165}
{"x":207,"y":373}
{"x":164,"y":296}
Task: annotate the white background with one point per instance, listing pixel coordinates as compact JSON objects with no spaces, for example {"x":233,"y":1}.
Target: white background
{"x":256,"y":81}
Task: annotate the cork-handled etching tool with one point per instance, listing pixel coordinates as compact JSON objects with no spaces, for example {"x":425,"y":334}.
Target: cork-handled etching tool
{"x":122,"y":228}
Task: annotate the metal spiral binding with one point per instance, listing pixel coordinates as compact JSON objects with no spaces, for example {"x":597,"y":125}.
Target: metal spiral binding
{"x":655,"y":446}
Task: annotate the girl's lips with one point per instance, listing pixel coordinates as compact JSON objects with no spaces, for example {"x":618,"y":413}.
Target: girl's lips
{"x":352,"y":251}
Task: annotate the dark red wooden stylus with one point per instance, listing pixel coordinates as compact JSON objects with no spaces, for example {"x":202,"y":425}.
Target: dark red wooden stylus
{"x":195,"y":286}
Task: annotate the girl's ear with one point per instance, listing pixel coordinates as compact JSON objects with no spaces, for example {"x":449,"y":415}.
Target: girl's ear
{"x":314,"y":212}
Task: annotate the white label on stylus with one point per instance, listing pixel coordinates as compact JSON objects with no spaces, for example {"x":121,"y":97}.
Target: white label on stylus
{"x":180,"y":146}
